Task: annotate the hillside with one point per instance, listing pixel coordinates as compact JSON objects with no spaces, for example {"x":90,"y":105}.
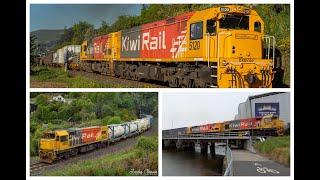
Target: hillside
{"x":47,"y":39}
{"x":45,"y":36}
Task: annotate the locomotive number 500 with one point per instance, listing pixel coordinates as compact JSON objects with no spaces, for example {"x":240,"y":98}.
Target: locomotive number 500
{"x":194,"y":45}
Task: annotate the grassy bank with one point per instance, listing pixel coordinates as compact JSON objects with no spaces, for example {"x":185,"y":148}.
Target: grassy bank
{"x":278,"y":148}
{"x":58,"y":77}
{"x":140,"y":160}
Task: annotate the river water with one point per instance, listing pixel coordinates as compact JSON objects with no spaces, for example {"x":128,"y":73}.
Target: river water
{"x":191,"y":163}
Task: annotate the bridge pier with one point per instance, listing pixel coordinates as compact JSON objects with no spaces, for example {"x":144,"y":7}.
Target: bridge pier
{"x":212,"y":148}
{"x":166,"y":144}
{"x":182,"y":145}
{"x":204,"y":147}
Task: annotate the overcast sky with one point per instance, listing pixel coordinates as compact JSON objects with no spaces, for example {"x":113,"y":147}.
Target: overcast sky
{"x":186,"y":109}
{"x":57,"y":16}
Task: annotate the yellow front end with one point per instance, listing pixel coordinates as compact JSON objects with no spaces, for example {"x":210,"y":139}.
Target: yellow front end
{"x":230,"y":39}
{"x":279,"y":125}
{"x":54,"y":143}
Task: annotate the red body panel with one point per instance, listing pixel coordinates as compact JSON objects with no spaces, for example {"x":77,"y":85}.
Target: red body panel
{"x":162,"y":39}
{"x":90,"y":134}
{"x":249,"y":123}
{"x":100,"y":45}
{"x":206,"y":128}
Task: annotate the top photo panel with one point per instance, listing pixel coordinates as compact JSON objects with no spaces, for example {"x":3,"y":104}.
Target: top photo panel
{"x":159,"y":46}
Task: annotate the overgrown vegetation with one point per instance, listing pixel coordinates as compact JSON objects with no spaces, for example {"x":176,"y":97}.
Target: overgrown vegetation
{"x":278,"y":148}
{"x":86,"y":109}
{"x":277,"y":23}
{"x":56,"y":77}
{"x":143,"y":157}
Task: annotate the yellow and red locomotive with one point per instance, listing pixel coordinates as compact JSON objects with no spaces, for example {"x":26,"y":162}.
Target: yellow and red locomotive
{"x":221,"y":47}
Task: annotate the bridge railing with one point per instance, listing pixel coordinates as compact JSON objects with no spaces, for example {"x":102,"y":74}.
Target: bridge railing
{"x":229,"y":169}
{"x":210,"y":135}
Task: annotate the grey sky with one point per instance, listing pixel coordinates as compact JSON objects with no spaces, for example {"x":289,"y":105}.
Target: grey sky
{"x":186,"y":109}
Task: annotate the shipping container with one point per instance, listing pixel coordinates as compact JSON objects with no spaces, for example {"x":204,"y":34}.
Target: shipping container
{"x":71,"y":52}
{"x":116,"y":130}
{"x":133,"y":127}
{"x":126,"y":128}
{"x":90,"y":134}
{"x":58,"y":57}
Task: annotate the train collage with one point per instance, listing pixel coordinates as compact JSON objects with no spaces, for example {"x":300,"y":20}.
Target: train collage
{"x":159,"y":89}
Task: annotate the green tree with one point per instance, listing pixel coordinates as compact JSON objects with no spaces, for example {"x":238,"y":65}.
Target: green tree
{"x":82,"y":31}
{"x":33,"y":49}
{"x":103,"y":29}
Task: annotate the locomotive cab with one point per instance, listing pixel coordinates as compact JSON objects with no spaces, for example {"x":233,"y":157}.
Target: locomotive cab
{"x":51,"y":143}
{"x":231,"y":38}
{"x":57,"y":140}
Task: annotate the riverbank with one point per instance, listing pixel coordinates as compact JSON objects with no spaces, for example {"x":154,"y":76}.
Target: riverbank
{"x":276,"y":148}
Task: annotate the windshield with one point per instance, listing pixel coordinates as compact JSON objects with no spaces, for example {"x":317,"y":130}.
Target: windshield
{"x":234,"y":21}
{"x":48,"y":136}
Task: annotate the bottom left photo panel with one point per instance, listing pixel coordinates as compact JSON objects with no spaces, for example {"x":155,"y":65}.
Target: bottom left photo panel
{"x":93,"y":134}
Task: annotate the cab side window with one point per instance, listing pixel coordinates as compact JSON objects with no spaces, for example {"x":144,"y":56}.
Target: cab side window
{"x":211,"y":27}
{"x":63,"y":138}
{"x":257,"y":26}
{"x":196,"y":30}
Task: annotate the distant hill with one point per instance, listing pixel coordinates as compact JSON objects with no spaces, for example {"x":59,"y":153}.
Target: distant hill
{"x":47,"y":39}
{"x":45,"y":36}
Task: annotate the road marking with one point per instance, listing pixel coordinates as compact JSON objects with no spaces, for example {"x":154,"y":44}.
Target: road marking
{"x":264,"y":170}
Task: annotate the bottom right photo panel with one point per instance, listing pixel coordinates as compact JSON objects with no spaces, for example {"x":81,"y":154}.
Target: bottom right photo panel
{"x":226,"y":134}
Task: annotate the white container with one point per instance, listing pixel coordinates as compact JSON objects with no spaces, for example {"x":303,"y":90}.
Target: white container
{"x":58,"y":57}
{"x":116,"y":131}
{"x":71,"y":52}
{"x":133,"y":127}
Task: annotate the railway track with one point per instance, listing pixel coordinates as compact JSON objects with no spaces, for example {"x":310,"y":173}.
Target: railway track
{"x":36,"y":167}
{"x":116,"y":81}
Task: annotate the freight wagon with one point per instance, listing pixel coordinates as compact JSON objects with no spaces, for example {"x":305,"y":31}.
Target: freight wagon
{"x":66,"y":54}
{"x":222,"y":47}
{"x":60,"y":144}
{"x":174,"y":132}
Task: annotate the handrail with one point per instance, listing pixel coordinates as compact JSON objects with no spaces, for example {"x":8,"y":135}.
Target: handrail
{"x":229,"y":169}
{"x":210,"y":135}
{"x":268,"y":40}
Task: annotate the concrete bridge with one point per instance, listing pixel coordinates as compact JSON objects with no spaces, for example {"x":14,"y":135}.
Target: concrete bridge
{"x":242,"y":159}
{"x":207,"y":141}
